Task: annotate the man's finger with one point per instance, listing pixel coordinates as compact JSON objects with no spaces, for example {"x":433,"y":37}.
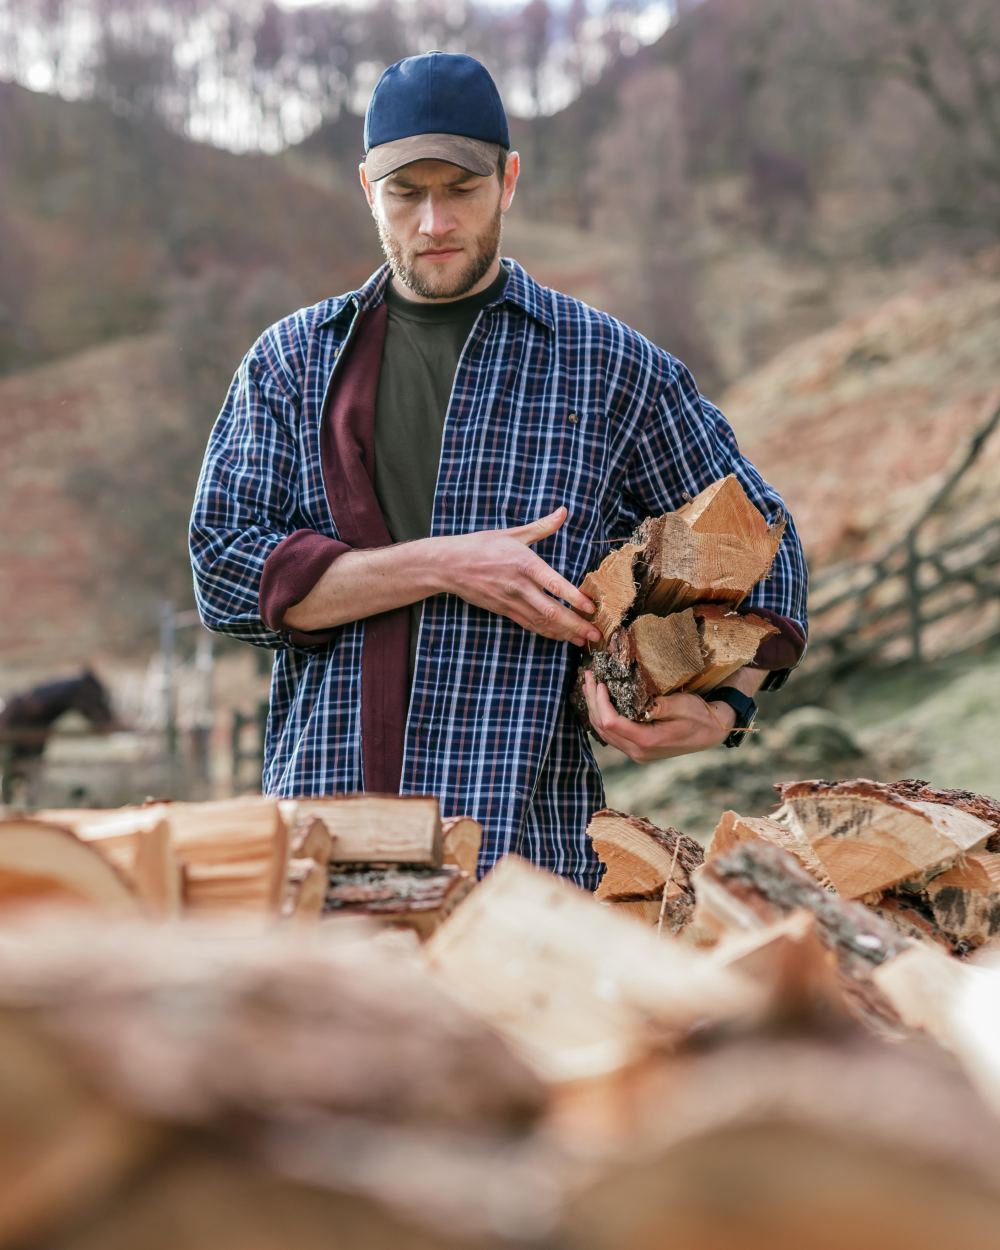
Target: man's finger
{"x":548,"y":617}
{"x":535,"y":531}
{"x":557,"y":585}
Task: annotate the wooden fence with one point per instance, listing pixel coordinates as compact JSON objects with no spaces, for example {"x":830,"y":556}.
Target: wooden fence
{"x":882,"y":609}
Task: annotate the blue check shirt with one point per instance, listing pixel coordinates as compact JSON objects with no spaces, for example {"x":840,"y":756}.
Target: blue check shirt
{"x":553,"y":403}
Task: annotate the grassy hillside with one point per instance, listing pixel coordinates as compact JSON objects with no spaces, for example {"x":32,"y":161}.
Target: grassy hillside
{"x":105,"y":224}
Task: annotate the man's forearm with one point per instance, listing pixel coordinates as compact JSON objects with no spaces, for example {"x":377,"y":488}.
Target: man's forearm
{"x":748,"y":680}
{"x":364,"y":583}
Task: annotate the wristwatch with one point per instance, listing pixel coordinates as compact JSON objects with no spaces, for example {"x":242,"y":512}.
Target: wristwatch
{"x":742,"y":705}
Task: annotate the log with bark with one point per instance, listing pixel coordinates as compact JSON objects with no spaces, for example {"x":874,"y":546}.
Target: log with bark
{"x":647,"y":870}
{"x":825,"y":1140}
{"x":712,"y":550}
{"x":757,"y":884}
{"x":734,"y":829}
{"x":869,"y":839}
{"x":707,"y":556}
{"x":413,"y":896}
{"x":170,"y":1087}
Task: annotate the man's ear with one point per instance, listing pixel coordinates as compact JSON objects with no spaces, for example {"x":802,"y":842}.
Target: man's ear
{"x":511,"y":173}
{"x":366,"y":185}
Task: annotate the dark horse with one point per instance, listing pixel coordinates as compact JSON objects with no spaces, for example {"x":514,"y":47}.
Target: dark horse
{"x":26,"y":722}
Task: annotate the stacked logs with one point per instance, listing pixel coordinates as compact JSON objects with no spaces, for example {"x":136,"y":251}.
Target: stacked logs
{"x":259,"y":858}
{"x":757,"y":1065}
{"x":666,"y":602}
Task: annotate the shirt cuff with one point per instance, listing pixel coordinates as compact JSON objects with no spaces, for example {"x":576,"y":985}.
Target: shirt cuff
{"x":780,"y":653}
{"x":290,"y":572}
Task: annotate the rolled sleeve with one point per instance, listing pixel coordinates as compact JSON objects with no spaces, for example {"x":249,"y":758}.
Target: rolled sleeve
{"x":291,"y":571}
{"x":244,"y":503}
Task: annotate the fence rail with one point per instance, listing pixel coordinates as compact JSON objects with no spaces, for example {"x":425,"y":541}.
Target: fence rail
{"x":865,"y":611}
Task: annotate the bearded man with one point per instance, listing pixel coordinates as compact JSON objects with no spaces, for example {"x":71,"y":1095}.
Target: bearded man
{"x":408,"y":483}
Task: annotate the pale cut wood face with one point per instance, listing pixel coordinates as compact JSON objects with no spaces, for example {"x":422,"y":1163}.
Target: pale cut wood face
{"x":868,"y":844}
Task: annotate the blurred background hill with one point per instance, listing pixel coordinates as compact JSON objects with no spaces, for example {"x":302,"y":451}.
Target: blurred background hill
{"x":800,"y":199}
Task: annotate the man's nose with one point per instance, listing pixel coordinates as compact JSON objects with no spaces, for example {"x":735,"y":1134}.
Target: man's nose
{"x":435,"y":216}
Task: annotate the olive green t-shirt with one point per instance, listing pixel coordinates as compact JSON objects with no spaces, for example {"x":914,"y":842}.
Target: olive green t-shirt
{"x":423,"y":343}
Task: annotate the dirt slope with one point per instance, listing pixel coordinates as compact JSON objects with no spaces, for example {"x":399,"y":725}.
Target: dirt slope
{"x":855,"y":424}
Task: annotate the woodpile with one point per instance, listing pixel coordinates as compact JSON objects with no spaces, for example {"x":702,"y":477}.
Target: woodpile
{"x":720,"y":1049}
{"x":385,"y":857}
{"x":666,"y":602}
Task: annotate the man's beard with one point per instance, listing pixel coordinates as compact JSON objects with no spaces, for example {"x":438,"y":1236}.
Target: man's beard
{"x":485,"y":247}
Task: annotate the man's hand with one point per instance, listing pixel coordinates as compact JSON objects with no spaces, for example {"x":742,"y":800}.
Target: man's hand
{"x":679,"y":724}
{"x":498,"y":571}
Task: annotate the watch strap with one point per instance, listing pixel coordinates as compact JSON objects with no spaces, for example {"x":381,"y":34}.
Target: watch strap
{"x":744,"y":707}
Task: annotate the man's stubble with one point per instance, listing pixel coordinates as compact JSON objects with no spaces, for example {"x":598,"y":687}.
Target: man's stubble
{"x":485,"y":248}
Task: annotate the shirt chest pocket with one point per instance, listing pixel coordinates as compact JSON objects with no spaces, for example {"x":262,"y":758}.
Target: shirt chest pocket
{"x":559,"y":459}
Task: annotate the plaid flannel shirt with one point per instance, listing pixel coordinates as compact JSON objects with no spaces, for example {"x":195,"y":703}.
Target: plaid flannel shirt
{"x":553,"y":403}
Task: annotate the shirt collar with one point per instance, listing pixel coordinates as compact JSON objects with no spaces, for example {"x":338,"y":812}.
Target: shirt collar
{"x":521,"y":290}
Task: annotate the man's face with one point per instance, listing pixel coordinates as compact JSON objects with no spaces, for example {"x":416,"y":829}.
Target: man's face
{"x":440,"y":226}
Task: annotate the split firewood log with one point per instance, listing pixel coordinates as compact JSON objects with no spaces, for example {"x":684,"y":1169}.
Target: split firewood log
{"x":869,"y":839}
{"x":713,"y":550}
{"x":909,"y":915}
{"x":645,"y":864}
{"x":234,"y":852}
{"x":419,"y":898}
{"x":148,"y":1069}
{"x":576,"y":989}
{"x":310,"y":838}
{"x":45,"y":863}
{"x":965,"y":900}
{"x":461,"y":842}
{"x":285,"y":1026}
{"x":651,"y":657}
{"x":612,"y":587}
{"x":305,"y":889}
{"x":729,"y":641}
{"x":377,"y":828}
{"x":757,"y":884}
{"x":734,"y":829}
{"x":138,"y":842}
{"x":981,"y":805}
{"x":767,"y":1142}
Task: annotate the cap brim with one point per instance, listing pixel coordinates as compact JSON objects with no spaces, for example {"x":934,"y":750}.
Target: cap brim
{"x":474,"y":155}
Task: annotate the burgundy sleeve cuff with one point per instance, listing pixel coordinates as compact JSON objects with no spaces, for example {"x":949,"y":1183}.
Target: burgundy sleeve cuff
{"x":290,"y":572}
{"x":781,"y":652}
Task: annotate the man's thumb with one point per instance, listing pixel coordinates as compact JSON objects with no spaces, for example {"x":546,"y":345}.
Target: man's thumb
{"x":535,"y":531}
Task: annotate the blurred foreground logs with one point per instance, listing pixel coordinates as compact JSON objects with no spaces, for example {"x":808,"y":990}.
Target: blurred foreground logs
{"x":717,"y":1052}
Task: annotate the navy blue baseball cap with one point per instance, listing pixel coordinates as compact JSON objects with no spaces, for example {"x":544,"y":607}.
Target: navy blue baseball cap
{"x":439,"y":106}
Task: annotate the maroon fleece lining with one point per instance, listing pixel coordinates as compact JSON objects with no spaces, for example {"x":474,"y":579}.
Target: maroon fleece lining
{"x":347,"y":448}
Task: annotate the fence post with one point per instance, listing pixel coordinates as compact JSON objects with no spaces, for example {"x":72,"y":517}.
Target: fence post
{"x":913,"y":596}
{"x":168,"y":658}
{"x":201,"y":731}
